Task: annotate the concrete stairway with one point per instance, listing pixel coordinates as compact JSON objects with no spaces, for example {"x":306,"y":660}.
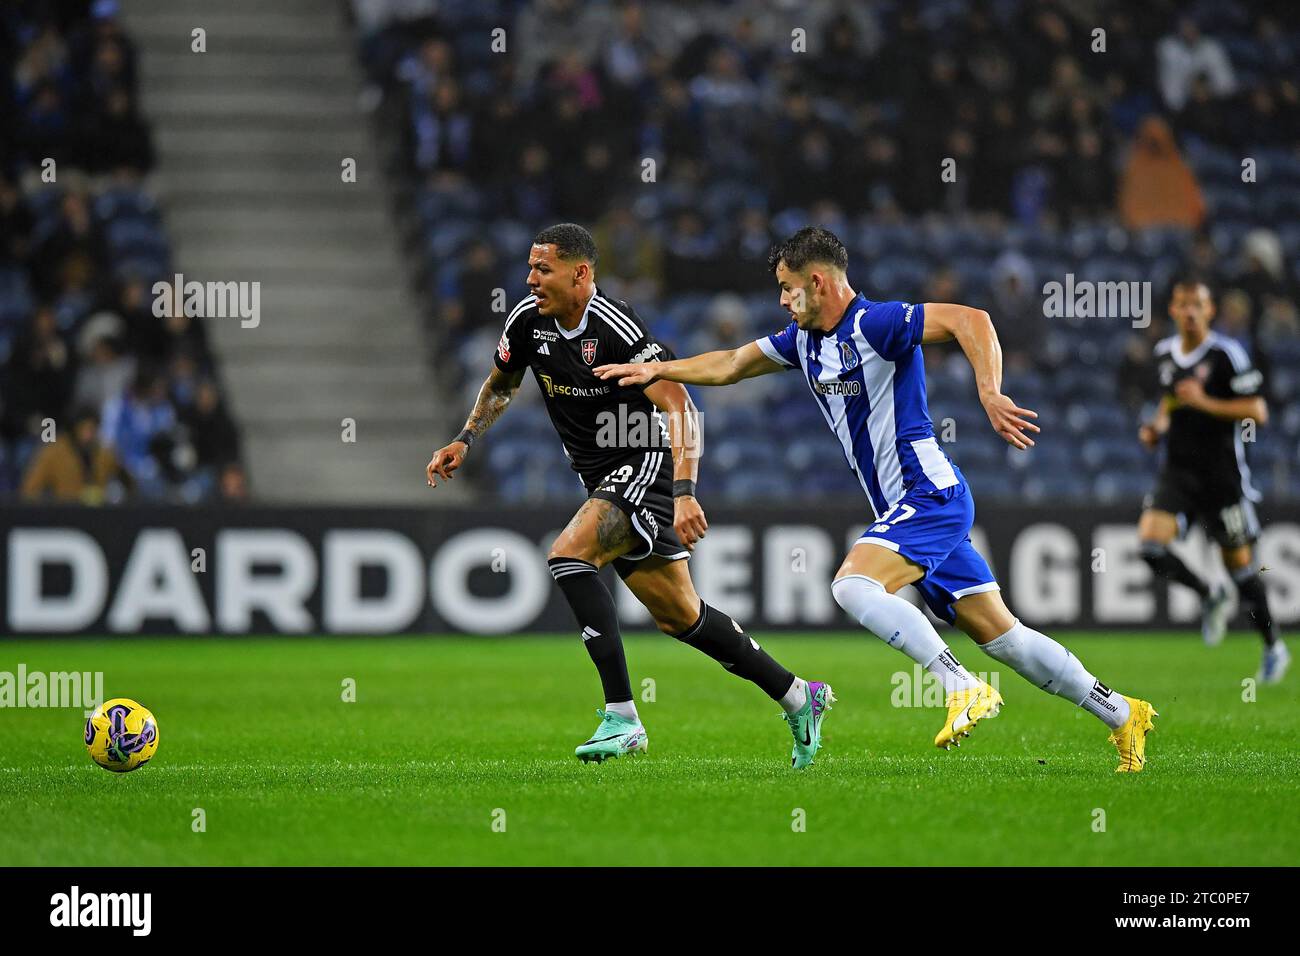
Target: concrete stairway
{"x":250,"y":136}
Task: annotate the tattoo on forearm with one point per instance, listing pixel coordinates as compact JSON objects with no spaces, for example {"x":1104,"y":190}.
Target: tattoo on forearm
{"x":492,"y":401}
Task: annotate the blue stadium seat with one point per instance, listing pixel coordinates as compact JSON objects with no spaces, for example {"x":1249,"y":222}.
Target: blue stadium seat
{"x":1053,"y":487}
{"x":747,"y":487}
{"x":125,"y":201}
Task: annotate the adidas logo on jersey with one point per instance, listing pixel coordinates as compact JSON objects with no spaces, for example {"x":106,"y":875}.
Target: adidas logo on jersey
{"x":544,"y":349}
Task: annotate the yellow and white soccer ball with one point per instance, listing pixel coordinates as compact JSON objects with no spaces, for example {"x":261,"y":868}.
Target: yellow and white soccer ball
{"x":121,"y":735}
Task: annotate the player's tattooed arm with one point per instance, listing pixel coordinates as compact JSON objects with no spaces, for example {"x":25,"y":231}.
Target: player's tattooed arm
{"x":493,"y":399}
{"x":974,"y":332}
{"x":496,"y":394}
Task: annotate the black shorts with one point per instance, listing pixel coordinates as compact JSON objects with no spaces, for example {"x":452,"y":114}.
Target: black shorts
{"x":641,"y":486}
{"x":1225,"y":512}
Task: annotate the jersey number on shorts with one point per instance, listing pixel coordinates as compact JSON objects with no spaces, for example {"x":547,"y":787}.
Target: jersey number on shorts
{"x":618,"y":475}
{"x":888,"y":517}
{"x":1234,"y":520}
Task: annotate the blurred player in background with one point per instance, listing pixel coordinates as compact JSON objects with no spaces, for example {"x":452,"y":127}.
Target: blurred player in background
{"x":641,"y":503}
{"x":862,"y":361}
{"x":1209,"y":387}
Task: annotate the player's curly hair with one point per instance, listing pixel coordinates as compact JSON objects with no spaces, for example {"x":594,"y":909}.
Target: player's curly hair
{"x":809,"y":244}
{"x":571,"y":241}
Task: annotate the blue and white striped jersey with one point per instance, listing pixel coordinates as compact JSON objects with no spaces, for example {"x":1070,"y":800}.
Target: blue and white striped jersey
{"x":868,"y":377}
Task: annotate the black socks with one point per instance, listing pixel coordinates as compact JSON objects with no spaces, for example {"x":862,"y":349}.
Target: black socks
{"x":1169,"y":566}
{"x":593,"y":607}
{"x":722,"y":639}
{"x":1254,"y":600}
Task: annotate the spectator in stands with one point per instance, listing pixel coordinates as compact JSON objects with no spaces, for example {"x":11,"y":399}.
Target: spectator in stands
{"x":15,"y":223}
{"x":475,"y":290}
{"x":133,"y":421}
{"x":1184,"y":56}
{"x":444,"y":132}
{"x":532,"y":190}
{"x":75,"y":233}
{"x":627,"y":55}
{"x":1135,"y":377}
{"x":555,"y":28}
{"x":630,"y":254}
{"x":1051,"y":141}
{"x":1157,"y":188}
{"x":46,"y":131}
{"x":76,"y":467}
{"x":118,"y":141}
{"x":1017,"y":310}
{"x":1233,"y":317}
{"x":210,"y":428}
{"x":103,"y":52}
{"x":1261,"y":273}
{"x":105,"y":371}
{"x":233,"y":483}
{"x":158,"y":339}
{"x":41,"y":374}
{"x":68,"y":93}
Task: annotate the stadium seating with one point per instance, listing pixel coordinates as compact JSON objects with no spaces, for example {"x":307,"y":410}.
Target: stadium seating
{"x":82,"y":246}
{"x":1066,"y":369}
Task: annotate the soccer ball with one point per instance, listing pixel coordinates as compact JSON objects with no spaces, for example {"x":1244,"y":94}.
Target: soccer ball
{"x":121,"y":735}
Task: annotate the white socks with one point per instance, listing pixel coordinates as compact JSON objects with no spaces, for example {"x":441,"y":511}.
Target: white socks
{"x":626,"y":709}
{"x":902,"y":626}
{"x":795,"y":697}
{"x":1050,"y":667}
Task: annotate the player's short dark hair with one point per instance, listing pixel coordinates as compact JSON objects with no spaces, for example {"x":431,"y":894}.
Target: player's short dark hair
{"x":1190,"y":280}
{"x":570,"y":240}
{"x":809,"y":244}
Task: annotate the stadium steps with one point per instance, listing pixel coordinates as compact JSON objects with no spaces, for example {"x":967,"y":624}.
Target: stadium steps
{"x":250,"y":137}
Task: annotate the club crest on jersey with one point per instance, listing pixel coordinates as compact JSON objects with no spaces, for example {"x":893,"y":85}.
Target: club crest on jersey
{"x":848,"y":356}
{"x":589,"y":350}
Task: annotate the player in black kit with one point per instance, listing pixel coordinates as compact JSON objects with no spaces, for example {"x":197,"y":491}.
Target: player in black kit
{"x":1210,"y":390}
{"x":639,"y":471}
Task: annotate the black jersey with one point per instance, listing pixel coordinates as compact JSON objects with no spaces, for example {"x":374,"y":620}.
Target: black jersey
{"x":1197,"y":442}
{"x":599,"y":421}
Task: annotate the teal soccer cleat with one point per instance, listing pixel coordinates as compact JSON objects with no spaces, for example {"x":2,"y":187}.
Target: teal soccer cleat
{"x":806,"y":725}
{"x":614,"y":737}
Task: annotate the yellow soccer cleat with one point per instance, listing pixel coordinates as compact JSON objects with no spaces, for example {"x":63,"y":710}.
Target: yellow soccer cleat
{"x":1130,"y":739}
{"x":966,"y":708}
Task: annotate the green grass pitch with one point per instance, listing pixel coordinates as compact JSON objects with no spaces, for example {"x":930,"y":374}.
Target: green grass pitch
{"x":446,"y":731}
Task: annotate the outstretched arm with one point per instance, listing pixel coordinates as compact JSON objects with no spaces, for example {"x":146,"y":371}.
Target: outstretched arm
{"x":710,"y":368}
{"x":974,"y":332}
{"x":493,"y":398}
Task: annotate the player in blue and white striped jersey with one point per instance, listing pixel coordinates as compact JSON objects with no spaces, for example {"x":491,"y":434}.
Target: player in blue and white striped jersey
{"x":862,"y":362}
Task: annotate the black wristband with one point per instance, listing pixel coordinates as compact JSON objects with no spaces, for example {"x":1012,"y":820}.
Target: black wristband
{"x":465,"y":436}
{"x":683,"y":487}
